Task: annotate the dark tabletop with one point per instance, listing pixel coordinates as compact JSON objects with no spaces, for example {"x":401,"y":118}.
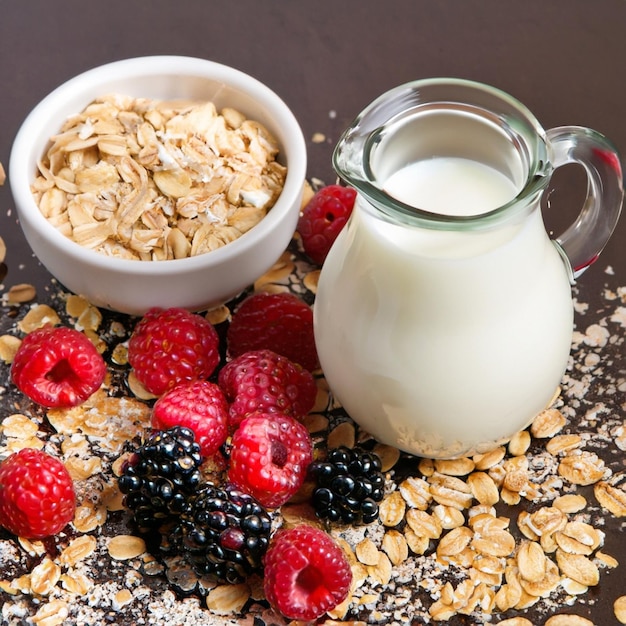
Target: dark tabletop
{"x":328,"y":59}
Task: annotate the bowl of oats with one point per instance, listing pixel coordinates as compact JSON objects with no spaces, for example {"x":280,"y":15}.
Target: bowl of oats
{"x":159,"y":181}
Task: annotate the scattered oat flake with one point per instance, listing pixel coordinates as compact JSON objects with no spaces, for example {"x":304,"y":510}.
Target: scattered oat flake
{"x":619,"y":608}
{"x":3,"y":175}
{"x":124,"y":547}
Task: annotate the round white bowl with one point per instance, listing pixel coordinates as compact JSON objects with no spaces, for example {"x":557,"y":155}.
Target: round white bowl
{"x":195,"y":283}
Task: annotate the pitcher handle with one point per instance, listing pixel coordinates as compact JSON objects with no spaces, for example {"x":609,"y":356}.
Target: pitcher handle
{"x":583,"y":241}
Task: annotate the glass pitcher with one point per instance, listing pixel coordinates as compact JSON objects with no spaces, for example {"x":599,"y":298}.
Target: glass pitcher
{"x":444,"y":317}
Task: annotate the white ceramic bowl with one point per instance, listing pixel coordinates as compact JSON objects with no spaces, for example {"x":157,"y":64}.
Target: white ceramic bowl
{"x":194,"y":283}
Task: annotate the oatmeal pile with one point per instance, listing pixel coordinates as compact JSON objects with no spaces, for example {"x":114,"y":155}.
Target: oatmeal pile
{"x":524,"y":535}
{"x":153,"y":180}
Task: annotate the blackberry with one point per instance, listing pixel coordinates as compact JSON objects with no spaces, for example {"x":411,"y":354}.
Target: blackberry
{"x":223,"y":535}
{"x":349,"y":485}
{"x":161,"y":476}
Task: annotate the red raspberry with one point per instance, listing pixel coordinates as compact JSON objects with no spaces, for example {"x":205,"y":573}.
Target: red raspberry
{"x":57,"y":367}
{"x":37,"y":496}
{"x":169,"y":346}
{"x":280,"y":322}
{"x":306,"y":573}
{"x":323,"y":218}
{"x":269,"y":457}
{"x":198,"y":405}
{"x":264,"y":381}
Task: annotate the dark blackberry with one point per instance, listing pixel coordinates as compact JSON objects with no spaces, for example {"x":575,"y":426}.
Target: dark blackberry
{"x":224,"y":534}
{"x":349,"y":485}
{"x":160,"y":477}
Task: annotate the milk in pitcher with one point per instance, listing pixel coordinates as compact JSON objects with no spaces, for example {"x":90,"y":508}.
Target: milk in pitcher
{"x":443,"y":316}
{"x":449,"y":326}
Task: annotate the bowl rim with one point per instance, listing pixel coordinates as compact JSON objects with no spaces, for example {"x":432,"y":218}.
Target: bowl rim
{"x":20,"y":179}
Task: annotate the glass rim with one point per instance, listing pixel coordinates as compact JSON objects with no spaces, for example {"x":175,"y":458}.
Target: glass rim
{"x":409,"y":98}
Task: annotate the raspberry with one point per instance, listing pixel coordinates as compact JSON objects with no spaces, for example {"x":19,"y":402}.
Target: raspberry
{"x":306,"y":573}
{"x":169,"y":346}
{"x":264,"y":381}
{"x":280,"y":322}
{"x":198,"y":405}
{"x":37,"y":496}
{"x":323,"y":218}
{"x":57,"y":367}
{"x":269,"y":457}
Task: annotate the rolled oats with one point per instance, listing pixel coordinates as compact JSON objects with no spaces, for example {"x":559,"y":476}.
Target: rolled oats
{"x":9,"y":346}
{"x":619,"y":608}
{"x":606,"y":559}
{"x":547,"y":424}
{"x":227,"y":599}
{"x":581,"y":467}
{"x":611,"y":498}
{"x":388,"y":456}
{"x":568,"y":619}
{"x":563,"y":443}
{"x":342,"y":435}
{"x":311,"y":280}
{"x":218,"y":315}
{"x":53,"y":613}
{"x":578,"y":567}
{"x":38,"y":316}
{"x":570,"y":503}
{"x":18,"y":294}
{"x":144,"y":179}
{"x":545,"y":585}
{"x":450,"y":491}
{"x":124,"y":547}
{"x":531,"y":561}
{"x":454,"y":467}
{"x":367,"y":552}
{"x":423,"y":524}
{"x":454,"y":542}
{"x":449,"y":517}
{"x":497,"y":543}
{"x":418,"y":544}
{"x":519,"y":443}
{"x":77,"y":550}
{"x":381,"y":571}
{"x":44,"y":577}
{"x":579,"y":538}
{"x":416,"y":492}
{"x":87,"y":316}
{"x":395,"y":547}
{"x":483,"y":488}
{"x":76,"y":583}
{"x":392,"y":509}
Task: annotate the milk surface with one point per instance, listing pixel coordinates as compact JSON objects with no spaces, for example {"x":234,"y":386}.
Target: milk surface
{"x":451,"y":186}
{"x":444,"y":343}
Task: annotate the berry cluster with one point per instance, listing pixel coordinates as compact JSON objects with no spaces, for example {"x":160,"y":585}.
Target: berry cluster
{"x":161,"y":476}
{"x":349,"y":485}
{"x":224,"y":533}
{"x":222,"y":453}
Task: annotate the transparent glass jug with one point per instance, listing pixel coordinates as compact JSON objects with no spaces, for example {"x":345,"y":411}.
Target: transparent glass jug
{"x":444,"y":315}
